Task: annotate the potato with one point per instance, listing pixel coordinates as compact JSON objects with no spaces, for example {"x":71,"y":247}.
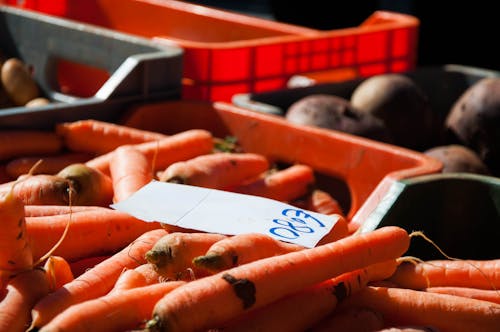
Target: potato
{"x":39,"y":101}
{"x":458,"y":158}
{"x":337,"y":113}
{"x":18,"y":82}
{"x":474,"y":121}
{"x":402,"y":105}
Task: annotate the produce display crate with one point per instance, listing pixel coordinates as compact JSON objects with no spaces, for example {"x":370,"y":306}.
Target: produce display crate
{"x":442,"y":84}
{"x":356,"y":171}
{"x":85,"y":71}
{"x":460,"y":212}
{"x":228,"y":53}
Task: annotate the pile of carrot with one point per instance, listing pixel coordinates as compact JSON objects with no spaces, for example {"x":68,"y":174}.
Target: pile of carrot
{"x":68,"y":262}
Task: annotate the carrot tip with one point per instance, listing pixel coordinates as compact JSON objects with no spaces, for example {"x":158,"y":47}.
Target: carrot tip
{"x":210,"y":262}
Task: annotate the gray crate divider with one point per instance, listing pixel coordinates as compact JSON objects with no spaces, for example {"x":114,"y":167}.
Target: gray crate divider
{"x":140,"y":70}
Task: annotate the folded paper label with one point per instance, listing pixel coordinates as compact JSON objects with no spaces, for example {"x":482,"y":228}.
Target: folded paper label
{"x":218,"y":211}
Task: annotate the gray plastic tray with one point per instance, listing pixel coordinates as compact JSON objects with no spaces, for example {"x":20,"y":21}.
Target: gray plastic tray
{"x":139,"y":69}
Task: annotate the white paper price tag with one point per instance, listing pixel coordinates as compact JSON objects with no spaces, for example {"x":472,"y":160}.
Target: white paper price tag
{"x":218,"y":211}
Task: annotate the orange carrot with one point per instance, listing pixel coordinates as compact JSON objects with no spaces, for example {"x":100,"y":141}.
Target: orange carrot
{"x":216,"y":170}
{"x":52,"y":210}
{"x":58,"y":272}
{"x":119,"y":311}
{"x":258,"y":283}
{"x":20,"y":295}
{"x":402,"y":306}
{"x":15,"y":250}
{"x":283,"y":185}
{"x":51,"y":164}
{"x":90,"y":233}
{"x":241,"y":249}
{"x":21,"y":143}
{"x":352,"y":320}
{"x":143,"y":275}
{"x":300,"y":310}
{"x":40,"y":189}
{"x":80,"y":266}
{"x":464,"y":273}
{"x":339,"y":231}
{"x":129,"y":279}
{"x":166,"y":151}
{"x":130,"y":170}
{"x":172,"y":255}
{"x":322,"y":202}
{"x":96,"y":282}
{"x":98,"y":137}
{"x":473,"y":293}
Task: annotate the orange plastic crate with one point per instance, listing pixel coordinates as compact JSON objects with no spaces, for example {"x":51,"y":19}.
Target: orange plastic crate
{"x":362,"y":169}
{"x":228,"y":53}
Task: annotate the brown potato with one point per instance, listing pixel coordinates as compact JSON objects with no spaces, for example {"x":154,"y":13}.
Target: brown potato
{"x":337,"y":113}
{"x":458,"y":158}
{"x":402,"y":105}
{"x":18,"y":82}
{"x":474,"y":121}
{"x":40,"y":101}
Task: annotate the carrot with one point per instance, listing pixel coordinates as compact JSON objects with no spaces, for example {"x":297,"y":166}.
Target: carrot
{"x":216,"y":170}
{"x":130,"y":170}
{"x":99,"y":137}
{"x":89,"y":186}
{"x":119,"y":311}
{"x":258,"y":283}
{"x":352,"y":320}
{"x":283,"y":185}
{"x":241,"y":249}
{"x":464,"y":273}
{"x":40,"y":189}
{"x":20,"y":295}
{"x":20,"y":143}
{"x":95,"y":282}
{"x":473,"y":293}
{"x":166,"y":151}
{"x":15,"y":250}
{"x":300,"y":310}
{"x":339,"y":231}
{"x":172,"y":255}
{"x":52,"y":210}
{"x":129,"y":279}
{"x":58,"y":272}
{"x":80,"y":266}
{"x":322,"y":202}
{"x":91,"y":233}
{"x":51,"y":164}
{"x":402,"y":306}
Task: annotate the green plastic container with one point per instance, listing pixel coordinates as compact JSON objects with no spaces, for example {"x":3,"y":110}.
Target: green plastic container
{"x":459,"y":212}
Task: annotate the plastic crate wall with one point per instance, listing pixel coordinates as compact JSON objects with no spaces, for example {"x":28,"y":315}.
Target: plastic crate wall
{"x":263,"y":54}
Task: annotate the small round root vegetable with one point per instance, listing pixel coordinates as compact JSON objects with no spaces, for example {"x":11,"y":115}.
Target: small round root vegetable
{"x":18,"y":81}
{"x":336,"y":113}
{"x":474,"y":120}
{"x":90,"y":186}
{"x":401,"y":104}
{"x":458,"y":158}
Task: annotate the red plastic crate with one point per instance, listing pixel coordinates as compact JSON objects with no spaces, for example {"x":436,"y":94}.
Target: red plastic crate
{"x":228,"y":53}
{"x":357,"y":171}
